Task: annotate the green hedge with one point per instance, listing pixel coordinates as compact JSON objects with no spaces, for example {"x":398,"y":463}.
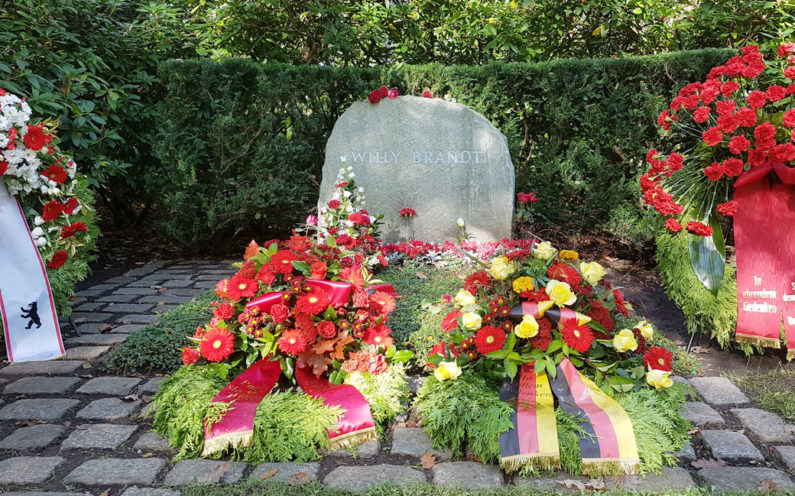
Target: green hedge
{"x":242,"y":144}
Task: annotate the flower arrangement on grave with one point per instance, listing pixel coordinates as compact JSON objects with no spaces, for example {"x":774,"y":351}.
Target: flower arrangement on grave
{"x":550,"y":329}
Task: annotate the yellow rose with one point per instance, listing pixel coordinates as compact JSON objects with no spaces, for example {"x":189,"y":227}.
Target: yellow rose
{"x":544,"y":251}
{"x":471,"y":321}
{"x":592,"y":272}
{"x":624,"y":341}
{"x":464,"y":298}
{"x":646,"y":329}
{"x":527,"y":328}
{"x":501,"y":268}
{"x":523,"y":284}
{"x":560,"y":293}
{"x":659,"y":378}
{"x":447,"y":371}
{"x":569,"y":255}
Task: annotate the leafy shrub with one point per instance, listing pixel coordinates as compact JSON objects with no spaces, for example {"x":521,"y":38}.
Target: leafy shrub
{"x":386,"y":393}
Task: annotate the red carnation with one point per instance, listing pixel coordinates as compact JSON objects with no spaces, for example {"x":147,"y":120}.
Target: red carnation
{"x":292,"y":342}
{"x":785,"y":49}
{"x":765,"y":135}
{"x":427,"y":94}
{"x":673,"y":225}
{"x":70,"y":205}
{"x":279,"y":313}
{"x":788,"y":118}
{"x":783,"y":153}
{"x":334,"y":204}
{"x":217,"y":344}
{"x":36,"y":138}
{"x":393,"y":93}
{"x":789,"y":72}
{"x":714,"y":171}
{"x":383,"y":91}
{"x":326,"y":329}
{"x":239,"y":287}
{"x":3,"y":167}
{"x":58,"y":259}
{"x":701,"y":114}
{"x":266,"y":275}
{"x":658,"y":358}
{"x":489,"y":339}
{"x":739,"y":144}
{"x":408,"y":212}
{"x":756,"y":157}
{"x":565,"y":273}
{"x":756,"y":99}
{"x":729,"y":88}
{"x":543,"y":339}
{"x":313,"y":302}
{"x":746,"y":117}
{"x":450,"y":322}
{"x":578,"y":337}
{"x":374,"y":97}
{"x":282,"y":262}
{"x":527,"y":197}
{"x":712,"y":136}
{"x":71,"y":230}
{"x":775,"y":93}
{"x":51,"y":210}
{"x":699,"y":228}
{"x":732,"y":167}
{"x":190,"y":355}
{"x":729,"y":208}
{"x":224,"y":311}
{"x":318,"y":270}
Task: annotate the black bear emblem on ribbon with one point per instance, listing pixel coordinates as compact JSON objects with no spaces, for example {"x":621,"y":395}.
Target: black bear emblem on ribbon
{"x":32,"y":313}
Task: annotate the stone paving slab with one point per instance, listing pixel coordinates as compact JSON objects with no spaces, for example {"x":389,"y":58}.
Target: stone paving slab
{"x":787,"y":455}
{"x":768,"y":427}
{"x":92,"y":327}
{"x":121,"y":280}
{"x":204,"y":471}
{"x":34,"y":436}
{"x":164,"y":298}
{"x":152,"y":385}
{"x":687,"y":452}
{"x":729,"y":479}
{"x":470,"y":475}
{"x":89,"y":307}
{"x":86,"y":352}
{"x":38,"y":409}
{"x":702,"y":415}
{"x":152,"y":441}
{"x":108,"y":339}
{"x":177,"y":283}
{"x":81,"y":317}
{"x":28,"y":469}
{"x":137,"y":319}
{"x":186,"y":292}
{"x":731,"y":446}
{"x":108,"y":409}
{"x":39,"y":493}
{"x":358,"y":478}
{"x":672,"y":479}
{"x":552,"y":483}
{"x":718,"y":391}
{"x":140,"y":271}
{"x":128,"y":328}
{"x":111,"y":386}
{"x":55,"y":367}
{"x":150,"y":491}
{"x":129,"y":307}
{"x":120,"y":298}
{"x":41,"y":385}
{"x":136,"y":291}
{"x":412,"y":441}
{"x":99,"y":436}
{"x":106,"y":286}
{"x":116,"y":471}
{"x":287,"y":472}
{"x":366,"y":450}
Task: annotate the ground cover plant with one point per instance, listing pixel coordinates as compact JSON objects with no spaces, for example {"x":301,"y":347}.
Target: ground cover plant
{"x":772,"y":391}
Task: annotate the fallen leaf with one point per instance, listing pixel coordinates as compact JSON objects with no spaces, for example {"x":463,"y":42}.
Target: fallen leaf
{"x":428,"y":460}
{"x":147,"y":455}
{"x":106,"y":492}
{"x":251,"y":250}
{"x":158,"y":287}
{"x":699,"y":350}
{"x":596,"y":485}
{"x":572,"y":484}
{"x":767,"y":486}
{"x":106,"y":328}
{"x":28,"y":423}
{"x":299,"y":478}
{"x":67,"y":423}
{"x":87,"y":365}
{"x":707,"y":463}
{"x":216,"y":474}
{"x":421,"y":275}
{"x":268,"y":475}
{"x":411,"y":424}
{"x":130,"y":397}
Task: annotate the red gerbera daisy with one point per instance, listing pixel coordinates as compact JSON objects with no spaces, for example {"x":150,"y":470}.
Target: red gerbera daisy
{"x":70,"y":206}
{"x":292,"y":342}
{"x":578,"y":337}
{"x":313,"y":302}
{"x":475,"y":280}
{"x":55,"y":173}
{"x":378,"y":336}
{"x":384,"y":302}
{"x":450,"y":322}
{"x":217,"y":344}
{"x":36,"y":138}
{"x":69,"y":231}
{"x":658,"y":358}
{"x":282,"y":262}
{"x":489,"y":339}
{"x":565,"y":273}
{"x":51,"y":210}
{"x":239,"y":287}
{"x":58,"y":259}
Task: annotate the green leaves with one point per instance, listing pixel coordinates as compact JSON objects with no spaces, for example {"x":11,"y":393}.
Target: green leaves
{"x":708,"y":257}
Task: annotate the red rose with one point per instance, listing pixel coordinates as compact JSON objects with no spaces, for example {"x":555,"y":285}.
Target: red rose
{"x":318,"y":270}
{"x":427,"y":94}
{"x":739,"y":144}
{"x":224,"y":311}
{"x":334,"y":204}
{"x":383,"y":91}
{"x":672,"y":225}
{"x":374,"y":97}
{"x":756,"y":99}
{"x":190,"y":355}
{"x":712,"y":136}
{"x":729,"y":208}
{"x":58,"y":259}
{"x":393,"y":93}
{"x":51,"y":210}
{"x":279,"y":313}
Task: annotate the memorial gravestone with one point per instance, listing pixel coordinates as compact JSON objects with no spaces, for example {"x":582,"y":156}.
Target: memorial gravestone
{"x":441,"y":159}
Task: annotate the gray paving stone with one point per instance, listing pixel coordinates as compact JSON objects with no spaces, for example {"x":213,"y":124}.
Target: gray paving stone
{"x":672,"y":479}
{"x":157,"y":263}
{"x":164,"y":298}
{"x":136,"y":291}
{"x":140,"y":271}
{"x":137,"y":319}
{"x":41,"y":385}
{"x":39,"y":493}
{"x":687,"y":453}
{"x":731,"y":446}
{"x":681,"y":380}
{"x":28,"y":469}
{"x":150,"y":491}
{"x":176,"y":272}
{"x":702,"y":415}
{"x":358,"y":478}
{"x":160,"y":309}
{"x":97,"y":339}
{"x":120,"y":298}
{"x":718,"y":391}
{"x":787,"y":455}
{"x":80,"y":317}
{"x":116,"y":471}
{"x":129,"y":308}
{"x":42,"y":368}
{"x":112,"y":386}
{"x":766,"y":426}
{"x":108,"y":409}
{"x":204,"y":471}
{"x":145,"y":283}
{"x":98,"y":436}
{"x":208,"y":277}
{"x":412,"y":441}
{"x":184,"y":291}
{"x":38,"y":409}
{"x":306,"y":472}
{"x":103,"y":287}
{"x":121,"y":280}
{"x":86,"y":352}
{"x":88,"y":294}
{"x":552,"y":483}
{"x":92,"y":327}
{"x":467,"y":475}
{"x":152,"y":441}
{"x":205,"y":284}
{"x":152,"y":385}
{"x":732,"y":479}
{"x":177,"y":283}
{"x":35,"y":436}
{"x":366,"y":450}
{"x":89,"y":307}
{"x":128,"y":328}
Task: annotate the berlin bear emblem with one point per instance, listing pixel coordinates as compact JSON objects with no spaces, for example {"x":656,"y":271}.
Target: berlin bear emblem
{"x":32,"y":313}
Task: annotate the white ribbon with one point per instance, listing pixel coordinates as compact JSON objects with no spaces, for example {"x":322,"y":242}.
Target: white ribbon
{"x":30,"y":323}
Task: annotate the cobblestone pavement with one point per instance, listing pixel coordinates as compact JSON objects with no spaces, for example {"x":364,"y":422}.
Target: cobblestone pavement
{"x":65,"y":430}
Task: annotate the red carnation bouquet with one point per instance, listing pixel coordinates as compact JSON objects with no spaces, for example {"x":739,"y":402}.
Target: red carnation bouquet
{"x":740,"y":119}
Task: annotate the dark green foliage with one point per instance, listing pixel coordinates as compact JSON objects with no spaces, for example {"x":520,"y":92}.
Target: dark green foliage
{"x":155,"y":349}
{"x":244,"y":142}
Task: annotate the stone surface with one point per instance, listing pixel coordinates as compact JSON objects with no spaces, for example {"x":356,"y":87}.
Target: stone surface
{"x":440,"y":158}
{"x":137,"y":319}
{"x":120,"y":298}
{"x":766,"y":426}
{"x":204,"y":471}
{"x":151,"y":442}
{"x":28,"y":469}
{"x":136,"y":291}
{"x":113,"y":386}
{"x":787,"y":455}
{"x":687,"y":452}
{"x":731,"y":446}
{"x":149,"y":491}
{"x":99,"y":436}
{"x":97,"y":339}
{"x":116,"y":471}
{"x":89,"y":307}
{"x":86,"y":352}
{"x":121,"y":280}
{"x":80,"y":317}
{"x":702,"y":415}
{"x":38,"y":409}
{"x":108,"y":409}
{"x":718,"y":391}
{"x":554,"y":483}
{"x":152,"y":385}
{"x":39,"y":493}
{"x":287,"y":472}
{"x":42,"y":368}
{"x":672,"y":479}
{"x":128,"y":308}
{"x":361,"y":477}
{"x":128,"y":328}
{"x":726,"y":479}
{"x":41,"y":385}
{"x":140,"y":271}
{"x":470,"y":475}
{"x":35,"y":436}
{"x":412,"y":441}
{"x":366,"y":450}
{"x":164,"y":298}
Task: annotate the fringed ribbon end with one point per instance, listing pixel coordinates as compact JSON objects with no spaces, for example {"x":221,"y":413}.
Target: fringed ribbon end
{"x":224,"y":441}
{"x":759,"y":341}
{"x":610,"y":466}
{"x":352,"y":439}
{"x":790,"y":354}
{"x":536,"y":461}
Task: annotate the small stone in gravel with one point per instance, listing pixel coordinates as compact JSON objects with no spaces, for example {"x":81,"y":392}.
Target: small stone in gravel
{"x":152,"y":385}
{"x":687,"y":452}
{"x":412,"y":441}
{"x":672,"y":479}
{"x":108,"y":409}
{"x":718,"y":391}
{"x":42,"y":368}
{"x":96,"y":339}
{"x":787,"y":455}
{"x":28,"y":469}
{"x":35,"y":436}
{"x":467,"y":475}
{"x":99,"y":436}
{"x":768,"y":427}
{"x":204,"y":471}
{"x":731,"y":446}
{"x":112,"y":386}
{"x":357,"y":478}
{"x":128,"y":328}
{"x":287,"y":472}
{"x":137,"y":319}
{"x":735,"y":479}
{"x":701,"y":414}
{"x":116,"y":471}
{"x":38,"y":409}
{"x":150,"y":491}
{"x":80,"y":317}
{"x":151,"y":442}
{"x":129,"y":308}
{"x":366,"y":450}
{"x":86,"y":352}
{"x":41,"y":385}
